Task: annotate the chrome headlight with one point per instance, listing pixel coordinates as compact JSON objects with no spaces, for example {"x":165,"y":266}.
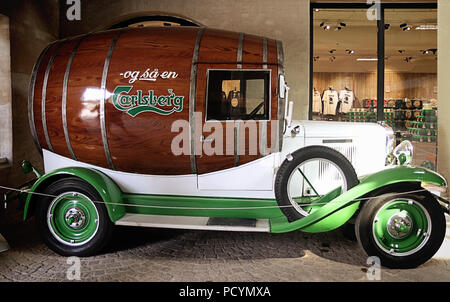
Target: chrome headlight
{"x":404,"y":152}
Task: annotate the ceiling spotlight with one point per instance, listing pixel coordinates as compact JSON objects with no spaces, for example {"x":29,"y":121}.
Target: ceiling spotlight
{"x":407,"y":59}
{"x":332,"y":58}
{"x":350,"y":51}
{"x":433,"y":50}
{"x":338,"y":28}
{"x":366,"y":59}
{"x":427,"y":27}
{"x":403,"y":25}
{"x":316,"y":58}
{"x":425,"y":52}
{"x":401,"y":51}
{"x":316,"y":9}
{"x":327,"y":27}
{"x":322,"y":24}
{"x":407,"y":28}
{"x":332,"y":50}
{"x":386,"y":26}
{"x":342,"y":24}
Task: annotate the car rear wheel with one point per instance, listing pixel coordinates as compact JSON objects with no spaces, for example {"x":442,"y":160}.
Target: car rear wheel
{"x":72,"y":219}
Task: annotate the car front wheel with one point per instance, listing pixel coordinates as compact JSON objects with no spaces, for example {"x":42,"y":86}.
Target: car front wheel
{"x":403,"y":230}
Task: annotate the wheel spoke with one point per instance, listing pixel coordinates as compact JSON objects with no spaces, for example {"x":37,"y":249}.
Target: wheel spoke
{"x":307,"y":180}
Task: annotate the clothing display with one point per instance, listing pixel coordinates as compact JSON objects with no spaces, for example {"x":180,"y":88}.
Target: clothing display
{"x":330,"y":99}
{"x":317,"y":102}
{"x":346,"y":97}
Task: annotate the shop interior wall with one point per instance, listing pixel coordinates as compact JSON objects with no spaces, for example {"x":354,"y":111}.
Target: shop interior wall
{"x":364,"y":85}
{"x":287,"y":21}
{"x":33,"y":24}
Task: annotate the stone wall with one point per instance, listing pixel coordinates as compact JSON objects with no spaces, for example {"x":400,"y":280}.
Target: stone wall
{"x":443,"y":88}
{"x":5,"y":93}
{"x":32,"y":25}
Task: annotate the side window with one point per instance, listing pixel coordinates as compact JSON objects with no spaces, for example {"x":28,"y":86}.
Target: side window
{"x":238,"y":95}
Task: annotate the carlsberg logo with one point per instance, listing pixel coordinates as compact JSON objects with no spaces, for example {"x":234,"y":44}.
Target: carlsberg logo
{"x":138,"y":103}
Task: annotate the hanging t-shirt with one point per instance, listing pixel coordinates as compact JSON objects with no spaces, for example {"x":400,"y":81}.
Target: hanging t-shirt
{"x":317,"y":102}
{"x":346,"y":97}
{"x":330,"y":100}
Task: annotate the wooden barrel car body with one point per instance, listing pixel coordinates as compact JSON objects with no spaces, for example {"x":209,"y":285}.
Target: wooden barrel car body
{"x":77,"y":108}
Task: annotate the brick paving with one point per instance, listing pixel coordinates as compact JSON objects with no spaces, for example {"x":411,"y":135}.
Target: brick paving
{"x":139,"y":254}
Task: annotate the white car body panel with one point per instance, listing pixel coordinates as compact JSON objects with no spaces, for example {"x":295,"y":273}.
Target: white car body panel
{"x":186,"y":185}
{"x":363,"y":144}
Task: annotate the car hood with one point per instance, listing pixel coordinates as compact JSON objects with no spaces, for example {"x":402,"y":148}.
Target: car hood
{"x":337,"y":129}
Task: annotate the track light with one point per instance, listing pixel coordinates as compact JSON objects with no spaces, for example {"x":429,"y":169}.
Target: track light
{"x":342,"y":24}
{"x":322,"y":24}
{"x":403,"y":25}
{"x":427,"y":51}
{"x":350,"y":51}
{"x":327,"y":27}
{"x":427,"y":27}
{"x":407,"y":28}
{"x":366,"y":59}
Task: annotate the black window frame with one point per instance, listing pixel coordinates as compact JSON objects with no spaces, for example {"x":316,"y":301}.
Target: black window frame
{"x":267,"y":76}
{"x":380,"y":43}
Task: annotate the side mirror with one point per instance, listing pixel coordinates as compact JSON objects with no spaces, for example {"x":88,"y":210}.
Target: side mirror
{"x":404,"y":152}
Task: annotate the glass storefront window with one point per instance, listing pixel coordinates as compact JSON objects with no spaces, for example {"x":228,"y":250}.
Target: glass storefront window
{"x":410,"y":90}
{"x":345,"y":65}
{"x":345,"y":79}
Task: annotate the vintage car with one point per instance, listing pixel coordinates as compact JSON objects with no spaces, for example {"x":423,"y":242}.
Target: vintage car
{"x":192,"y":128}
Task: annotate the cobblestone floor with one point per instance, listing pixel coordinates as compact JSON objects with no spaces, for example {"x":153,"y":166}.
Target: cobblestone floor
{"x":138,"y":254}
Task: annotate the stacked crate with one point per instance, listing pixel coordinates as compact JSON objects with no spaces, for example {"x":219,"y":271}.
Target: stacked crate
{"x":360,"y":115}
{"x":424,"y":129}
{"x":364,"y":115}
{"x":389,"y":117}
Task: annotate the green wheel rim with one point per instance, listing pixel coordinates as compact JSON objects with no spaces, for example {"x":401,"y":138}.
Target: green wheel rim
{"x":401,"y":227}
{"x":72,"y":218}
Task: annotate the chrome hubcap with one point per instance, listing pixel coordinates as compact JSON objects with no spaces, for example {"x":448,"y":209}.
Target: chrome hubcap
{"x":399,"y":225}
{"x":75,"y":218}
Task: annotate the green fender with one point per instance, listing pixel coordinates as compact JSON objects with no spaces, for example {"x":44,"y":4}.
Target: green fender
{"x":107,"y":189}
{"x":343,"y":207}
